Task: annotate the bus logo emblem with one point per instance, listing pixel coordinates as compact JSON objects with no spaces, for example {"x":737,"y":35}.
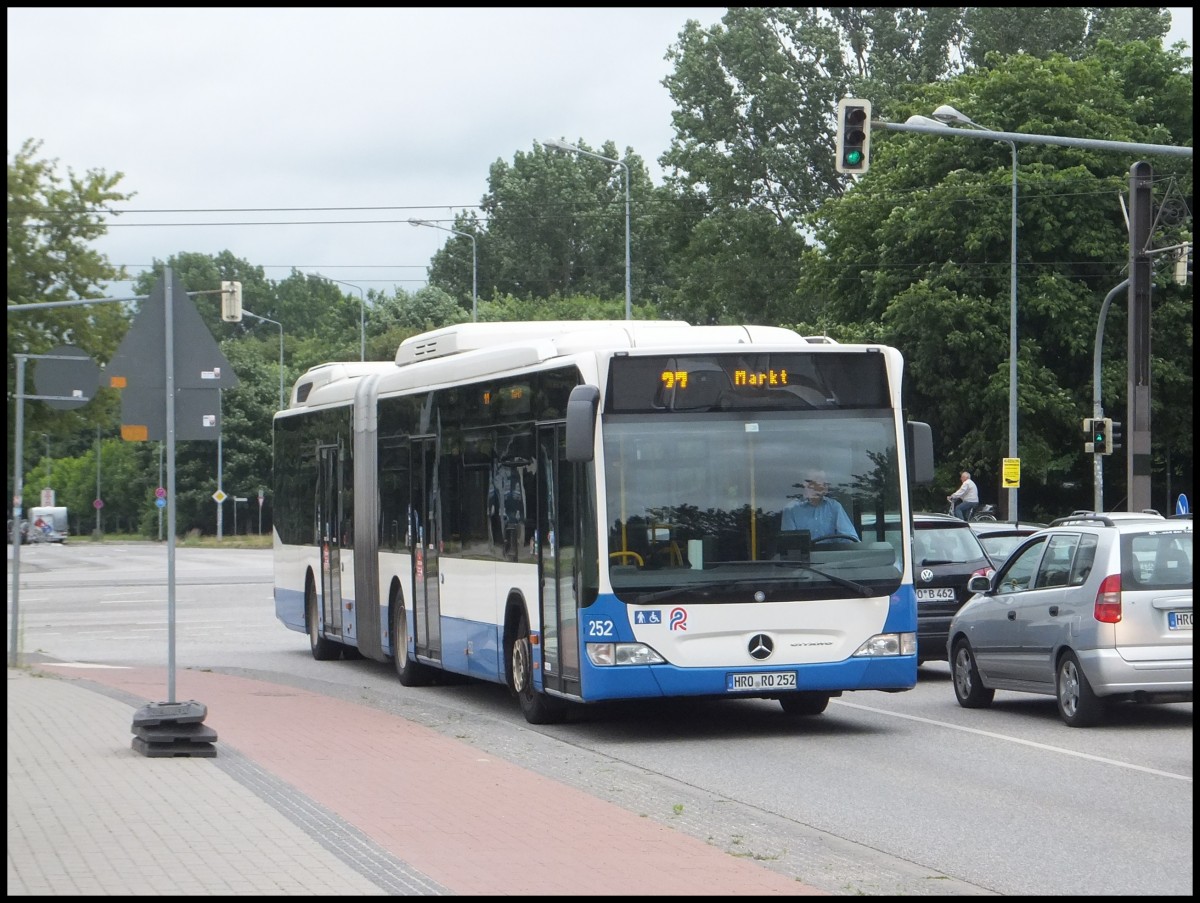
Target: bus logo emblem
{"x":761,"y":646}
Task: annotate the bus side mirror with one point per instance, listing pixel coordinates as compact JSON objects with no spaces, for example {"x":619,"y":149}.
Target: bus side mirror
{"x":919,"y":439}
{"x":581,"y":423}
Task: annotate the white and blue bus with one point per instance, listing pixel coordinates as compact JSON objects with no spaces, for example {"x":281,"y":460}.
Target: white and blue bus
{"x":593,"y":510}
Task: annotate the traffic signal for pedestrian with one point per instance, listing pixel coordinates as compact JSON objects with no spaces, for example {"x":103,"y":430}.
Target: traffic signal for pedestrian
{"x":1101,"y":434}
{"x":853,"y":136}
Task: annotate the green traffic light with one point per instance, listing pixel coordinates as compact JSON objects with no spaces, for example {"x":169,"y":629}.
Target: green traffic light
{"x":853,"y":157}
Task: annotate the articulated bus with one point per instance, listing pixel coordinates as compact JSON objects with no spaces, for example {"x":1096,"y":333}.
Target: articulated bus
{"x":594,"y":510}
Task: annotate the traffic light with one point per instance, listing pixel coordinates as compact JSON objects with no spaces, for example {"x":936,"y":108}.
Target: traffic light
{"x":853,"y":136}
{"x":231,"y":302}
{"x":1114,"y":435}
{"x":1101,"y":433}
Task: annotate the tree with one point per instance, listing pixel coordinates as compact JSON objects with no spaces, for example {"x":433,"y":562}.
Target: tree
{"x":52,"y":221}
{"x":920,"y":247}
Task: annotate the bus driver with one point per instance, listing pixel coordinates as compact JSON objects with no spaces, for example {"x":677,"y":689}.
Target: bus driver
{"x":816,"y":513}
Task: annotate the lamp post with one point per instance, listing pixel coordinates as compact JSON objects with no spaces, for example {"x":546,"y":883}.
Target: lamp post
{"x":49,"y":485}
{"x":362,"y":314}
{"x":946,"y":114}
{"x":247,"y":313}
{"x":474,"y":258}
{"x":563,"y":146}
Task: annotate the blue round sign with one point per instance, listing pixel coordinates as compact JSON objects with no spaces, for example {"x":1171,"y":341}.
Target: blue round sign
{"x":160,"y":503}
{"x":1181,"y":504}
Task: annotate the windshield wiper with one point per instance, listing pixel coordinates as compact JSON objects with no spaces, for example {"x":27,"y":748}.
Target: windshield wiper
{"x":700,"y":588}
{"x":734,"y":585}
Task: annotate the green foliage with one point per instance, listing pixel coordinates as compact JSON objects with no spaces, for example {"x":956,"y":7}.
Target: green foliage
{"x":52,"y":220}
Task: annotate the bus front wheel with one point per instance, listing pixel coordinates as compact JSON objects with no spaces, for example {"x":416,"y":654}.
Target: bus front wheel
{"x":537,"y":707}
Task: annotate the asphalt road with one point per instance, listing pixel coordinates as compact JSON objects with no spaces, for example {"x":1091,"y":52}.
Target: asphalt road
{"x":900,"y":794}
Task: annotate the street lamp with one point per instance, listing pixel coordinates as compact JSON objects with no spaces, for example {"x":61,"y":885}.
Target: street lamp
{"x":563,"y":146}
{"x":247,"y":313}
{"x":362,"y":313}
{"x":944,"y":115}
{"x":474,"y":257}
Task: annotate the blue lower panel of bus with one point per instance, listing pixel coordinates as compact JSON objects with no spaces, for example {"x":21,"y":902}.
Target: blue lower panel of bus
{"x":649,"y":681}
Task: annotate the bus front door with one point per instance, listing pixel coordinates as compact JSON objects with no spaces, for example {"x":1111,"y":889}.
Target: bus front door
{"x":557,"y":552}
{"x":329,"y":498}
{"x":427,"y":631}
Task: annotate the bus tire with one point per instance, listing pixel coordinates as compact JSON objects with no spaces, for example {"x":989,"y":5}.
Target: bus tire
{"x":410,"y":672}
{"x":323,"y":650}
{"x":537,"y":707}
{"x":804,"y":703}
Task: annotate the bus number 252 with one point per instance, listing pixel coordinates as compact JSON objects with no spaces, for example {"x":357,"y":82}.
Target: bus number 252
{"x":600,"y":628}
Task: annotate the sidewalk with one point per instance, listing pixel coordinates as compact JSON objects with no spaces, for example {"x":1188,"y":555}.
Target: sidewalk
{"x":310,"y":795}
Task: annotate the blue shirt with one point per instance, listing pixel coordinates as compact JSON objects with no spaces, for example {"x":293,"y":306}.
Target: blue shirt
{"x":819,"y":520}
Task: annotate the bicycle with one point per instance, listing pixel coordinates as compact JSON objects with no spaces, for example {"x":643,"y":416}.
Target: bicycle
{"x":982,"y":513}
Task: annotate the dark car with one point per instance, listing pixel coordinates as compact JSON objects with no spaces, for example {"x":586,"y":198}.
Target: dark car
{"x":999,"y":538}
{"x":946,"y":554}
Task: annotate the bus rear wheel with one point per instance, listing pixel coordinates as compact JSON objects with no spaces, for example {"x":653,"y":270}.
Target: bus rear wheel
{"x":537,"y":707}
{"x":323,"y":650}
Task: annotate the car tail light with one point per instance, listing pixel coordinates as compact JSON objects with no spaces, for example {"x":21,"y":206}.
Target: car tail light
{"x":1108,"y":600}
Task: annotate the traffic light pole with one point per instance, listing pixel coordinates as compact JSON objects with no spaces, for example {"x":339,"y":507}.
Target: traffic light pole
{"x":1097,"y":407}
{"x":1137,"y":390}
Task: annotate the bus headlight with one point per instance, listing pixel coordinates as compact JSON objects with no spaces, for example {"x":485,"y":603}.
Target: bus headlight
{"x":603,"y":654}
{"x":889,"y":644}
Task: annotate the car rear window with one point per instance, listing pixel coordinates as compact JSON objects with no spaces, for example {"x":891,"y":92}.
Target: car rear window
{"x":949,"y":545}
{"x":1156,"y":560}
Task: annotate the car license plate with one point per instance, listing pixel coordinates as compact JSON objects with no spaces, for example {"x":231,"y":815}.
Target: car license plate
{"x":763,"y":680}
{"x":1179,"y":620}
{"x":937,"y":594}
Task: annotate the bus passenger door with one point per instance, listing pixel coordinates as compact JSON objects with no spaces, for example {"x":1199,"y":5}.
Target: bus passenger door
{"x":329,"y":500}
{"x":557,"y":548}
{"x":427,"y":633}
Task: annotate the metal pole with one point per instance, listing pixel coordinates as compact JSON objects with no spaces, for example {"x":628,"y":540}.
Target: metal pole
{"x":474,"y":260}
{"x":99,"y":501}
{"x":1097,"y":407}
{"x":169,"y":329}
{"x":17,"y":509}
{"x":562,"y":145}
{"x":628,"y":285}
{"x":1012,"y":336}
{"x":220,"y":490}
{"x":160,"y":482}
{"x":1139,"y":462}
{"x":247,"y":313}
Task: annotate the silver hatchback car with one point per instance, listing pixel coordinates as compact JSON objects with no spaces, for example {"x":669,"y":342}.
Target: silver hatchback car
{"x":1092,"y":610}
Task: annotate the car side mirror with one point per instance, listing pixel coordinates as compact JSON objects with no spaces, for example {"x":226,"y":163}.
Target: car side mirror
{"x":979,"y":584}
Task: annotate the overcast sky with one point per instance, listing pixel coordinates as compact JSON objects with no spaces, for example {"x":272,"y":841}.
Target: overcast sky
{"x":404,"y":109}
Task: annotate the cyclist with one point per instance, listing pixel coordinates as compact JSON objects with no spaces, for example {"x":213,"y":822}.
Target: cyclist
{"x":965,"y":498}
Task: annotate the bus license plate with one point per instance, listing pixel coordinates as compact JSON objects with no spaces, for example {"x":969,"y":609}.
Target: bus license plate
{"x":1179,"y":620}
{"x":764,"y":680}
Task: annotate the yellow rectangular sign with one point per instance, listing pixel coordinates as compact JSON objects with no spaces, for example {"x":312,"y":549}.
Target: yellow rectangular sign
{"x":1011,"y":473}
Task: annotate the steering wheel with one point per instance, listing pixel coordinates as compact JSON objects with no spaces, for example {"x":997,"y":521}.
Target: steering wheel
{"x":832,"y":537}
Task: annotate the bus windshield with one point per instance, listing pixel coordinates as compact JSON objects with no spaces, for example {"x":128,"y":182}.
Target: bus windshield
{"x":712,"y":500}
